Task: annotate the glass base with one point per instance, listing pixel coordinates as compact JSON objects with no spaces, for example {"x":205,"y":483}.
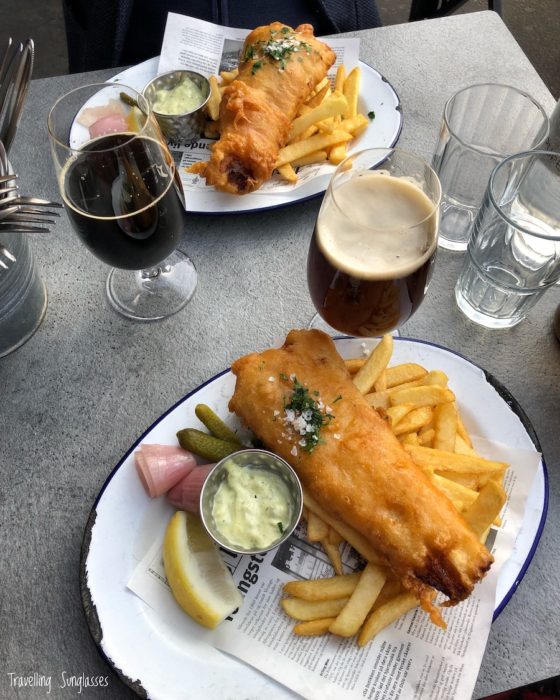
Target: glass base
{"x":318,"y":323}
{"x":452,"y":245}
{"x":483,"y":319}
{"x":155,"y":293}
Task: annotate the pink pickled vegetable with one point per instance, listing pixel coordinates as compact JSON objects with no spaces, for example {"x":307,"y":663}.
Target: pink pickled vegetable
{"x":111,"y":124}
{"x":90,"y":115}
{"x":162,"y":466}
{"x":186,"y":494}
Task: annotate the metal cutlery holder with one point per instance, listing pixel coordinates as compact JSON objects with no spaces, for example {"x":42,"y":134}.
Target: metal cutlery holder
{"x":23,"y":295}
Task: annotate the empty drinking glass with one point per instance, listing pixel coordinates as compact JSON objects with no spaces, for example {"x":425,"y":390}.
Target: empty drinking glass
{"x":513,"y":255}
{"x":482,"y":124}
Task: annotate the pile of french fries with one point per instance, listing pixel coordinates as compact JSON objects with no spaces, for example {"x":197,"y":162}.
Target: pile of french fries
{"x":324,"y":126}
{"x":422,"y":412}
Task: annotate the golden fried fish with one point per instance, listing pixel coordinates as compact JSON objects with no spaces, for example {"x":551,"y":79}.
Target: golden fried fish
{"x":354,"y":466}
{"x":279,"y":68}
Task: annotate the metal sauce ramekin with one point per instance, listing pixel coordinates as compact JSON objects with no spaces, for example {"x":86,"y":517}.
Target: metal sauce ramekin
{"x":187,"y":126}
{"x":259,"y":459}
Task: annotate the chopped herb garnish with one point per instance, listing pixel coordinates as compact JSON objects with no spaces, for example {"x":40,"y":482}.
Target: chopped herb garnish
{"x":371,"y":115}
{"x":256,"y":66}
{"x":280,"y":528}
{"x":285,"y":30}
{"x":284,"y":377}
{"x":250,"y":53}
{"x":306,"y":416}
{"x":338,"y":398}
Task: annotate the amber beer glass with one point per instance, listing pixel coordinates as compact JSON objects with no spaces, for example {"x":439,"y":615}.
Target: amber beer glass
{"x":375,"y":241}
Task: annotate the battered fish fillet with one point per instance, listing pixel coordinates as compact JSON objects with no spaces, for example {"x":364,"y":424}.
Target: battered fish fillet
{"x":359,"y":471}
{"x":278,"y":69}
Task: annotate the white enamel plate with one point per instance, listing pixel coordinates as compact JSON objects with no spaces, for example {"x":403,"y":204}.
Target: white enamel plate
{"x":167,"y":657}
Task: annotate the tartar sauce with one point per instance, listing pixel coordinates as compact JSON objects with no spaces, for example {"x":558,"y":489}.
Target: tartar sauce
{"x":252,"y":506}
{"x":186,"y":96}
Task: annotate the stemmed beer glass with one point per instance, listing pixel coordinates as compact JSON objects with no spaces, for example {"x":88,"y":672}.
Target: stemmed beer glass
{"x":119,"y":184}
{"x":375,"y":240}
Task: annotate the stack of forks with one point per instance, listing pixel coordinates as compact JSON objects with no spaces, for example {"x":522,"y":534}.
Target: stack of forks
{"x":18,"y":214}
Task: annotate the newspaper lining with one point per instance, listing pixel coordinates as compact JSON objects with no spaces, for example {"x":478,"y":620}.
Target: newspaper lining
{"x":207,"y":48}
{"x":412,"y":659}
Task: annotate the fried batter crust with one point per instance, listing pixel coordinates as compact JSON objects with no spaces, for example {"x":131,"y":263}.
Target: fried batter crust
{"x":359,"y":472}
{"x":258,"y":107}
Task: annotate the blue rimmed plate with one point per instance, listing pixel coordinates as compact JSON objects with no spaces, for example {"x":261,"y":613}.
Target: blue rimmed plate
{"x":167,"y":655}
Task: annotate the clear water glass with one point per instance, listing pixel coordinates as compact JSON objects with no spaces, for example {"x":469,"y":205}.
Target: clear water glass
{"x":513,"y":255}
{"x":481,"y":125}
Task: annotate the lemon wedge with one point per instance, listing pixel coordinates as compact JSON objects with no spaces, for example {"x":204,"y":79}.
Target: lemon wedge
{"x":200,"y":581}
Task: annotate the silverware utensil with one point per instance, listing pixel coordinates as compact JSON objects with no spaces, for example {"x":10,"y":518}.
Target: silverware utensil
{"x":14,"y":84}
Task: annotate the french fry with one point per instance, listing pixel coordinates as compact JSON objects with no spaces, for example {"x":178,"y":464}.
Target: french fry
{"x":482,"y":513}
{"x":430,"y":395}
{"x":355,"y":125}
{"x":401,"y":374}
{"x":461,"y":496}
{"x":452,"y":462}
{"x":409,"y":439}
{"x":319,"y":96}
{"x":426,"y":437}
{"x":462,"y":431}
{"x":376,"y":363}
{"x":461,"y":446}
{"x":333,"y":105}
{"x":445,"y":426}
{"x":381,"y":383}
{"x":317,"y":530}
{"x":397,"y":413}
{"x":310,"y":131}
{"x":328,"y":125}
{"x":340,"y":78}
{"x":385,"y":615}
{"x":312,"y":609}
{"x":391,"y":589}
{"x":333,"y":553}
{"x":316,"y":157}
{"x":414,"y":420}
{"x":353,"y":614}
{"x":470,"y":481}
{"x":351,"y":91}
{"x":288,"y":173}
{"x":354,"y":538}
{"x":228,"y":76}
{"x":332,"y":588}
{"x":378,"y":399}
{"x":213,"y":104}
{"x":338,"y":154}
{"x":324,"y":83}
{"x":354,"y":364}
{"x":318,"y":142}
{"x":314,"y":627}
{"x":433,"y":378}
{"x":334,"y":537}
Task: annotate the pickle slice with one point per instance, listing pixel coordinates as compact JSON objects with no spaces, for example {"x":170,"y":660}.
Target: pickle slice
{"x":204,"y":445}
{"x":215,"y":424}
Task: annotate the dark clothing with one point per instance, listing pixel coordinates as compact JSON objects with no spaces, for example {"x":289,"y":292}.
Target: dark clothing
{"x":111,"y":33}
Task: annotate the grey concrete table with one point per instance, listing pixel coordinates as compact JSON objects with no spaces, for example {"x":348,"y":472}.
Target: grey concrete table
{"x":80,"y":392}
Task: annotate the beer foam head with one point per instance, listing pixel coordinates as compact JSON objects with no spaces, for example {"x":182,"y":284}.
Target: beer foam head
{"x":376,"y":226}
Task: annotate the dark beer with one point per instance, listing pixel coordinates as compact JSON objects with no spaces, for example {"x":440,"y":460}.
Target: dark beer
{"x":372,"y":254}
